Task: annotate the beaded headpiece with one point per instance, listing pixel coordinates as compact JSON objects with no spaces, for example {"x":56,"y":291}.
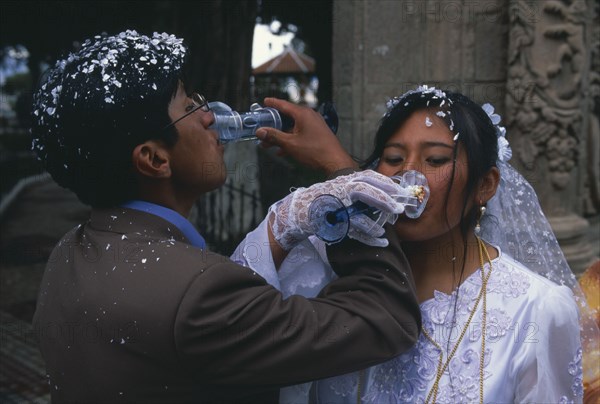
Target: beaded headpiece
{"x":504,"y":150}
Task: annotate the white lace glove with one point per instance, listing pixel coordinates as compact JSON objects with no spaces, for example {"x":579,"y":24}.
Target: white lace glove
{"x":289,"y":218}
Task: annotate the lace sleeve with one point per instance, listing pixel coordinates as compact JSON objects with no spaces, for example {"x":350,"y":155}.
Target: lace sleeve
{"x":254,"y":252}
{"x":305,"y":271}
{"x":553,"y":373}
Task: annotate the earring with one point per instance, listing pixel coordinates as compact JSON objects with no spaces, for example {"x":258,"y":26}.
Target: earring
{"x":478,"y":225}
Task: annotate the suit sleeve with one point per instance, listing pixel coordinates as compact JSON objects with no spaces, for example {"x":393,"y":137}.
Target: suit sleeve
{"x":234,"y":328}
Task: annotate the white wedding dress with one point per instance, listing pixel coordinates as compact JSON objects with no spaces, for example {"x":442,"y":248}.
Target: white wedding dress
{"x":532,"y":342}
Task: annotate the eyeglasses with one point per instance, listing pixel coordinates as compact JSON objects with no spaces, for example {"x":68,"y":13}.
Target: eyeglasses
{"x":198,"y":102}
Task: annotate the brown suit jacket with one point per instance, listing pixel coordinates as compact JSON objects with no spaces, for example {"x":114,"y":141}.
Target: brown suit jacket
{"x":128,"y":311}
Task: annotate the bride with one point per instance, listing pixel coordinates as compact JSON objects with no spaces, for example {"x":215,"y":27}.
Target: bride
{"x":500,"y":319}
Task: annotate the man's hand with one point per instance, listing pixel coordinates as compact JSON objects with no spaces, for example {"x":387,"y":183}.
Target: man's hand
{"x":310,"y":142}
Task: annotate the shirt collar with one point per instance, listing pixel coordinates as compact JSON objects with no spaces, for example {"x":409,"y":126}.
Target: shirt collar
{"x":184,"y":225}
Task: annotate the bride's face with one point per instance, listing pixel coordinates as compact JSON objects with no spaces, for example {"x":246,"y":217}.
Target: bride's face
{"x":424,"y":143}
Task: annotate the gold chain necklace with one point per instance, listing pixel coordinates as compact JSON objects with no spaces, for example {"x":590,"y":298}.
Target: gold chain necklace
{"x":482,"y":296}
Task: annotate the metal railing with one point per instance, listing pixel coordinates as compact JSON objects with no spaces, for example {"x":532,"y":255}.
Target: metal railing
{"x":226,"y":215}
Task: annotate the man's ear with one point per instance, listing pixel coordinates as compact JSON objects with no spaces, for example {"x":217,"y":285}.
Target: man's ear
{"x":488,"y":185}
{"x":151,"y":159}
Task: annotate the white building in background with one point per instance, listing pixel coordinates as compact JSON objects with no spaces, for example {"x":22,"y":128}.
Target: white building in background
{"x":274,"y":54}
{"x":267,"y":45}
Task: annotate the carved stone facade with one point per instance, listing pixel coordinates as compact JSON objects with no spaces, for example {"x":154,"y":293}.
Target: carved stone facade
{"x":548,"y":111}
{"x":531,"y":59}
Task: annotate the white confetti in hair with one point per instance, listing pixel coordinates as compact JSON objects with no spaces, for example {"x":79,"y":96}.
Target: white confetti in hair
{"x":422,"y":89}
{"x":104,"y":54}
{"x":108,"y":68}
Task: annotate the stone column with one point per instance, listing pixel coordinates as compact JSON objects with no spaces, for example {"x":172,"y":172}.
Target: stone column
{"x":547,"y":108}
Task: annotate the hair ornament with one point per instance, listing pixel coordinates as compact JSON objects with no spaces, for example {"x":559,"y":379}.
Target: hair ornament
{"x":504,"y":150}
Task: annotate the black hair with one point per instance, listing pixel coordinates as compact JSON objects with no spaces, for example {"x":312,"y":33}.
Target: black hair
{"x":95,"y":106}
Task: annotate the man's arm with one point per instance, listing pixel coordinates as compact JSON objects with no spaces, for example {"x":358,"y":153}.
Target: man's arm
{"x":233,"y":328}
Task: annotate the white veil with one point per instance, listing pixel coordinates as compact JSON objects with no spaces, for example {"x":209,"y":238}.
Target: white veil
{"x":526,"y":235}
{"x":515,"y":222}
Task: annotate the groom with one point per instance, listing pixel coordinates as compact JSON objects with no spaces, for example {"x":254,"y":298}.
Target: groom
{"x":132,"y":306}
